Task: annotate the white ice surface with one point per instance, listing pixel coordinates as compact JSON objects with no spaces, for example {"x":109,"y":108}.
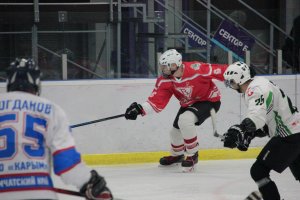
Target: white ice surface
{"x":212,"y":180}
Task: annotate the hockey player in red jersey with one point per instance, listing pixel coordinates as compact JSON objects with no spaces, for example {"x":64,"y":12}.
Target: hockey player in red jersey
{"x":191,"y":83}
{"x":33,"y":131}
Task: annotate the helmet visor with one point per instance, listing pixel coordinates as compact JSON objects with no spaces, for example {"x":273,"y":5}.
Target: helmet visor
{"x":232,"y":84}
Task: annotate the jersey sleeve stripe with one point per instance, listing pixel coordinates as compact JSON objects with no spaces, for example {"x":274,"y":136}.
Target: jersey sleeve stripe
{"x":65,"y":159}
{"x":28,"y":181}
{"x":156,"y":109}
{"x":60,"y":150}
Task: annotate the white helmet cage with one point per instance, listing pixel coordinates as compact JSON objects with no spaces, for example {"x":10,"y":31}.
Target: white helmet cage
{"x":237,"y":73}
{"x":169,"y":57}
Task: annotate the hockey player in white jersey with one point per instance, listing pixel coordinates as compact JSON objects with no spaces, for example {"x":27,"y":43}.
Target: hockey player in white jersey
{"x":269,"y":112}
{"x":33,"y":131}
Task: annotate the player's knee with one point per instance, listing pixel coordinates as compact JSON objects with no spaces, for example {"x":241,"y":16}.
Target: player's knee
{"x":295,"y":168}
{"x":260,"y":174}
{"x":174,"y":132}
{"x":186,"y":119}
{"x":259,"y":171}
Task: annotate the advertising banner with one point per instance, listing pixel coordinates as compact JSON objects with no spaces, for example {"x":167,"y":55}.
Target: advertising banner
{"x":196,"y":39}
{"x":234,"y":38}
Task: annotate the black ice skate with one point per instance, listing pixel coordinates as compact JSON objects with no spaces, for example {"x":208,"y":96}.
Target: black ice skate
{"x":170,"y":160}
{"x":188,"y":164}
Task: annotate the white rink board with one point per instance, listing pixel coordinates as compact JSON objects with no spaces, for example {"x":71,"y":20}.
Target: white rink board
{"x":86,"y":100}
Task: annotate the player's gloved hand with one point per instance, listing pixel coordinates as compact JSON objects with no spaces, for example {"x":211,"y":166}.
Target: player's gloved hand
{"x":232,"y":137}
{"x":262,"y":132}
{"x":95,"y":188}
{"x":238,"y":137}
{"x":133,"y":111}
{"x":244,"y":141}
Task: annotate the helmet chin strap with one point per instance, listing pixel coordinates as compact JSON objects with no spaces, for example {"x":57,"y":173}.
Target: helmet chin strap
{"x":173,"y":71}
{"x":239,"y":90}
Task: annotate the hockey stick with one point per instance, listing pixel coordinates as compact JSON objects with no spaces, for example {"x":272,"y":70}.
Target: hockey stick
{"x":68,"y":192}
{"x":74,"y":193}
{"x":96,"y":121}
{"x":213,"y":120}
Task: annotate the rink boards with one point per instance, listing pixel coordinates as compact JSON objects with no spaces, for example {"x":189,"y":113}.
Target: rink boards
{"x":146,"y":139}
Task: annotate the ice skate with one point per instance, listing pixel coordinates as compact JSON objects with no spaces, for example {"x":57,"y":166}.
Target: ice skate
{"x":171,"y":160}
{"x":189,"y":163}
{"x":255,"y":195}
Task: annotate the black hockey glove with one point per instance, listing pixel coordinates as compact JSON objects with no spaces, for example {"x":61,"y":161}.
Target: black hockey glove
{"x":244,"y":141}
{"x":231,"y":138}
{"x":95,"y":188}
{"x":237,"y":137}
{"x":262,"y":132}
{"x":133,"y":111}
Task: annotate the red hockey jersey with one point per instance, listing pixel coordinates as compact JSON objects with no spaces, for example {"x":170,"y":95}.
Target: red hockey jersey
{"x":195,"y":85}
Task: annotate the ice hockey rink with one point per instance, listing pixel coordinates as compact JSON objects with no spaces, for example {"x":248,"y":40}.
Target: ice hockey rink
{"x":211,"y":180}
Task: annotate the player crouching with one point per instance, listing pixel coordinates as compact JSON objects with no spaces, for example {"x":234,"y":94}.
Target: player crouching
{"x":191,"y":83}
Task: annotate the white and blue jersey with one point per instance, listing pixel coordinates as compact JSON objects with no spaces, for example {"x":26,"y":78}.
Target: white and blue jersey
{"x":34,"y":131}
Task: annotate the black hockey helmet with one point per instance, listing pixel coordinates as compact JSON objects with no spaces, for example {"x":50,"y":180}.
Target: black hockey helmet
{"x":23,"y":75}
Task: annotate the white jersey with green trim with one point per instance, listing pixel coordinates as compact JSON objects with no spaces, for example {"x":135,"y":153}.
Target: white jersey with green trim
{"x":268,"y":104}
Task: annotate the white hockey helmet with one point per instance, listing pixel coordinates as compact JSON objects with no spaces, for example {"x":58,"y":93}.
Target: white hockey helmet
{"x":237,"y":74}
{"x":170,"y":61}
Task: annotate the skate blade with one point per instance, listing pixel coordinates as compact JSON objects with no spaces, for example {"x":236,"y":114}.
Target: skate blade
{"x":172,"y":165}
{"x":188,"y":169}
{"x":255,"y":195}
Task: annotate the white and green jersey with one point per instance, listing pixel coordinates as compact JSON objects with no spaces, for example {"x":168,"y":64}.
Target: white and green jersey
{"x":267,"y":104}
